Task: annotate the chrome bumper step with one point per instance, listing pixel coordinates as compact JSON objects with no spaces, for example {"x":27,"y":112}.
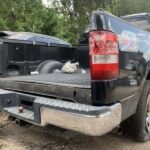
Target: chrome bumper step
{"x":90,"y":120}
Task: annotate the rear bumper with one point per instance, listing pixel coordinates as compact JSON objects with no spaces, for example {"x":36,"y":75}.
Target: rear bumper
{"x":86,"y":119}
{"x":94,"y":125}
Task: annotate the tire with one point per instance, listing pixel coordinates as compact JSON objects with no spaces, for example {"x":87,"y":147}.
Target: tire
{"x":139,"y":124}
{"x":40,"y":66}
{"x":49,"y":66}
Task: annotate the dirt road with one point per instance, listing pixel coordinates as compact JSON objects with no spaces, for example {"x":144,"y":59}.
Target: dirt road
{"x":13,"y":137}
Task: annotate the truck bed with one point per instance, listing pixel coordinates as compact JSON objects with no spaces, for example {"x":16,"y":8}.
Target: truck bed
{"x":75,"y":87}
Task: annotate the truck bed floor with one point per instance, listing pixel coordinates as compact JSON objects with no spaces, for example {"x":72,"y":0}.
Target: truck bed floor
{"x":61,"y":79}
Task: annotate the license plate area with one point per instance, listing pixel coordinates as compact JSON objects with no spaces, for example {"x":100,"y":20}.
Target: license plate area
{"x":26,"y":102}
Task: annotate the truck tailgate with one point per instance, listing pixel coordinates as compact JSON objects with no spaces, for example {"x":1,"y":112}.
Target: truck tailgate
{"x":74,"y":87}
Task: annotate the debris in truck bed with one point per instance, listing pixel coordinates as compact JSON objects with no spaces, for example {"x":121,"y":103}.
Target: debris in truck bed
{"x":70,"y":67}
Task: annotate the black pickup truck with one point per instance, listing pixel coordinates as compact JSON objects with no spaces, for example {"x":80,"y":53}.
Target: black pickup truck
{"x":114,"y":87}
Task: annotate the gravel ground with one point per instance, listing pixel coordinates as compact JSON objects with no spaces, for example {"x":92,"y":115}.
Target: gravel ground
{"x":13,"y":137}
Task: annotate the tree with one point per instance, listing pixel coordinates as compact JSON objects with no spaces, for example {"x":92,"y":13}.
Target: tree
{"x":63,"y":18}
{"x":26,"y":15}
{"x":77,"y":14}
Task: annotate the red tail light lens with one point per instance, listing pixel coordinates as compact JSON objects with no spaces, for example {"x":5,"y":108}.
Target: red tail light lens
{"x":104,"y":55}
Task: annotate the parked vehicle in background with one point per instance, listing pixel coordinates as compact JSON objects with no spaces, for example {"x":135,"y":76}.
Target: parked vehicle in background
{"x":141,"y":20}
{"x":110,"y":84}
{"x":22,"y":52}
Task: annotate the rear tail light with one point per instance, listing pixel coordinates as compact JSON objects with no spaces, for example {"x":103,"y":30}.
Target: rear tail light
{"x":104,"y":55}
